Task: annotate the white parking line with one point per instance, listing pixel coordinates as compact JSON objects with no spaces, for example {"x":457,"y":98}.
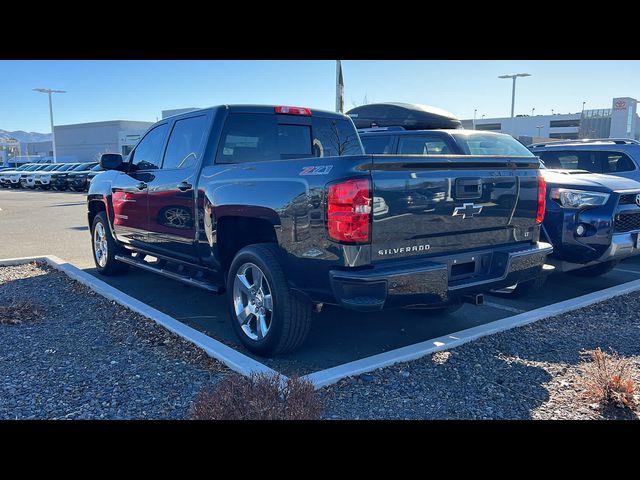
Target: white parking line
{"x":231,"y":358}
{"x":418,"y":350}
{"x":503,"y":307}
{"x":626,"y":271}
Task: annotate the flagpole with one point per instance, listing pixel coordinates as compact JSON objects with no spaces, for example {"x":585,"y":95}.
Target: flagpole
{"x":339,"y":88}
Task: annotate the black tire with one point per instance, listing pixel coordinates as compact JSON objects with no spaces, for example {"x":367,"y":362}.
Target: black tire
{"x":112,"y":266}
{"x":595,"y":270}
{"x":291,"y":314}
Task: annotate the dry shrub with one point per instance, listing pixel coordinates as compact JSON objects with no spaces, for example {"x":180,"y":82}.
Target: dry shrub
{"x":17,"y":313}
{"x":258,"y":397}
{"x":608,"y":379}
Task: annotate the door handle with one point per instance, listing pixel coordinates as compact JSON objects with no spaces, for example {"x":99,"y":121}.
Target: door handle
{"x":184,"y":186}
{"x":141,"y":186}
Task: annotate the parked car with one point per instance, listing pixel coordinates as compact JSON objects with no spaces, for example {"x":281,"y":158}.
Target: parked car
{"x":27,"y":178}
{"x":11,"y":178}
{"x":58,"y":179}
{"x":612,"y":156}
{"x":592,"y":220}
{"x":274,"y":205}
{"x":4,"y":175}
{"x":42,"y":178}
{"x":76,"y":180}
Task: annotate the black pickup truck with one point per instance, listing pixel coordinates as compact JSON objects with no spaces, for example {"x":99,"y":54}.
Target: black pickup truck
{"x":281,"y":208}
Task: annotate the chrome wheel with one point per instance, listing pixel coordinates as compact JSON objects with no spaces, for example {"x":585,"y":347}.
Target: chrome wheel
{"x":100,"y":248}
{"x":252,"y":301}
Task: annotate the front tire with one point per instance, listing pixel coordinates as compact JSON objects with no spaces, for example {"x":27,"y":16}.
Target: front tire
{"x":105,"y":248}
{"x":595,"y":270}
{"x":268,"y":317}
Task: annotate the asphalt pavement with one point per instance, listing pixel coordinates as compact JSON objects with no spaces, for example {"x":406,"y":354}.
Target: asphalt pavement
{"x":54,"y":223}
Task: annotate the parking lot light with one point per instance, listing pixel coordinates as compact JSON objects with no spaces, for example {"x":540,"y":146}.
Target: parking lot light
{"x":513,"y":89}
{"x":53,"y":134}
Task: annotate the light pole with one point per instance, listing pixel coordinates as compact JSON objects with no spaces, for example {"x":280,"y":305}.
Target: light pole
{"x":53,"y":133}
{"x":533,"y":110}
{"x":474,"y":118}
{"x":513,"y":90}
{"x":583,"y":107}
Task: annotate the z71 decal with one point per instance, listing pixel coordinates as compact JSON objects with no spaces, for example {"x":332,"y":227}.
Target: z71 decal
{"x":319,"y":170}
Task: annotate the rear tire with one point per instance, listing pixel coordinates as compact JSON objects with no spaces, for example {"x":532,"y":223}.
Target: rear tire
{"x":595,"y":270}
{"x":256,"y":281}
{"x":105,"y":248}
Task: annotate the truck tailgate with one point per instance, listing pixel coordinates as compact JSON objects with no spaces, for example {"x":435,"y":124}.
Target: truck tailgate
{"x":430,"y":205}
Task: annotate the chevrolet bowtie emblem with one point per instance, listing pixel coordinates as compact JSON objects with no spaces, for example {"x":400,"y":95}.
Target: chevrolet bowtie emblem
{"x":467,"y":210}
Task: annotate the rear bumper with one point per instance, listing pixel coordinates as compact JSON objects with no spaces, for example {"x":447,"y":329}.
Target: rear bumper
{"x":433,"y":282}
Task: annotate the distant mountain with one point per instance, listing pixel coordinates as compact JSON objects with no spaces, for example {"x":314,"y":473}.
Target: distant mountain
{"x":22,"y":136}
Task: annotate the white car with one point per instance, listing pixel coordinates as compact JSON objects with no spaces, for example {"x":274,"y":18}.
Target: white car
{"x":42,"y":178}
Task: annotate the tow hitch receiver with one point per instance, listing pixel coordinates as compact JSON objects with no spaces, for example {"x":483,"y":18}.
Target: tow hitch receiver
{"x":474,"y":299}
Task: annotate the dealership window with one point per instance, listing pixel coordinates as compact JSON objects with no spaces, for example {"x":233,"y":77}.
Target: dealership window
{"x":488,"y":126}
{"x":148,"y":153}
{"x":184,"y":144}
{"x":564,"y":136}
{"x":564,"y":123}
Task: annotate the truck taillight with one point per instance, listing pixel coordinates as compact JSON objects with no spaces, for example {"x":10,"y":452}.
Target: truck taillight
{"x":542,"y":195}
{"x":349,"y":211}
{"x":293,"y":110}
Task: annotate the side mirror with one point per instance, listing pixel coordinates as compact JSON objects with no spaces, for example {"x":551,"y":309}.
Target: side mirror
{"x":111,"y":161}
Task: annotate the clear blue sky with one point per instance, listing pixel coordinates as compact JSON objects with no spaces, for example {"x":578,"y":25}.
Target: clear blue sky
{"x":140,"y":90}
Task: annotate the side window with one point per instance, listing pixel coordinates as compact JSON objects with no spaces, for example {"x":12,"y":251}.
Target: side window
{"x":616,"y":162}
{"x":414,"y":145}
{"x":378,"y":144}
{"x":185,"y":143}
{"x":249,"y":138}
{"x":572,"y":160}
{"x":148,"y":152}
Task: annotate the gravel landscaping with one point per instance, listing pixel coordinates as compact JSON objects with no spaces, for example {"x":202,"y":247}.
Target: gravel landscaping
{"x":68,"y":353}
{"x":532,"y":372}
{"x":83,"y":356}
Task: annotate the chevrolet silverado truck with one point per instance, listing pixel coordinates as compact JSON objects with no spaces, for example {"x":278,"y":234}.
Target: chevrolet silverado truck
{"x":280,"y":208}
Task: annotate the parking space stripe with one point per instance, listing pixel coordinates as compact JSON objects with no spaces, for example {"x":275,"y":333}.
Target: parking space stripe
{"x":503,"y":307}
{"x":418,"y":350}
{"x":626,"y":271}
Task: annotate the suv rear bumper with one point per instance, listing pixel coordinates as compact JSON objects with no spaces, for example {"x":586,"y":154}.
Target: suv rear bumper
{"x":430,"y":282}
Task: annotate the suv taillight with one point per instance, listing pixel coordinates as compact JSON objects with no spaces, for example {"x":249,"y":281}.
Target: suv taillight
{"x":349,"y":210}
{"x":542,"y":195}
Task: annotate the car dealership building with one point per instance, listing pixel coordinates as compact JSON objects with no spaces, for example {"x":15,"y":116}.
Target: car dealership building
{"x":619,"y":121}
{"x":85,"y":142}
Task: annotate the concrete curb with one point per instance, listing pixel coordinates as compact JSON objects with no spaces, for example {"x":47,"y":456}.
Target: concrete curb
{"x":418,"y":350}
{"x":231,"y":358}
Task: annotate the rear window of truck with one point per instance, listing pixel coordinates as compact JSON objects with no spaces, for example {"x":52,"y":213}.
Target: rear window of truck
{"x":262,"y":137}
